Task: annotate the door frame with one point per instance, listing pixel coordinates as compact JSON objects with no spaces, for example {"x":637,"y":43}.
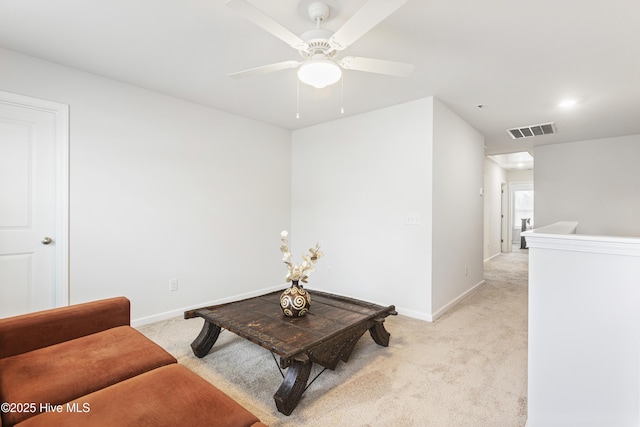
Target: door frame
{"x":505,"y":224}
{"x":61,"y":113}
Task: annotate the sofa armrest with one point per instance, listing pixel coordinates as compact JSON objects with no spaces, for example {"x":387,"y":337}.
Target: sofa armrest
{"x":27,"y":332}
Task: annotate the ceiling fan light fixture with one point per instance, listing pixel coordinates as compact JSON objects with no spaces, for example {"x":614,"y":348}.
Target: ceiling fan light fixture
{"x":319,"y":73}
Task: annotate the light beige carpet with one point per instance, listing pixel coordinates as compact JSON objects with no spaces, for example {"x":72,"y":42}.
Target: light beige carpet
{"x":469,"y":368}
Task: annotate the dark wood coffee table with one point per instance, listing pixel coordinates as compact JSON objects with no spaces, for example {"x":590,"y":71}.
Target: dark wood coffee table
{"x":326,"y":335}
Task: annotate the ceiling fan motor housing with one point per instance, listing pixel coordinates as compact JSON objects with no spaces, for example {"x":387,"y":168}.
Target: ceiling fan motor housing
{"x":318,"y":11}
{"x":318,"y":42}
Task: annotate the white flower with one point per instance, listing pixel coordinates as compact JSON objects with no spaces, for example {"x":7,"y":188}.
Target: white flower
{"x":299,"y":272}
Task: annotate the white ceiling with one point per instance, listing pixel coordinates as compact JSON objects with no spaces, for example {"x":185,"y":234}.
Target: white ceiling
{"x":517,"y":58}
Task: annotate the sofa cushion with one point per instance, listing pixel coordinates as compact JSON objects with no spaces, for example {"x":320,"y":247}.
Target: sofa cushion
{"x":168,"y":396}
{"x":60,"y":373}
{"x":27,"y":332}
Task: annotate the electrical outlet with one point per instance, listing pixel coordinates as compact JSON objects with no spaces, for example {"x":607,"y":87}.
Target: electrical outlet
{"x":173,"y":285}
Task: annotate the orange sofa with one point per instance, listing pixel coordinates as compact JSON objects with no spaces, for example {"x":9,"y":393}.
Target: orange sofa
{"x":84,"y":365}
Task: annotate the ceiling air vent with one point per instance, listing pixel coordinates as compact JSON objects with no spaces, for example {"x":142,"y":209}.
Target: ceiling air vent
{"x":533,"y":130}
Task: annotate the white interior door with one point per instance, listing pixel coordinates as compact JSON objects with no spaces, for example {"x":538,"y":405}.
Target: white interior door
{"x":33,"y":208}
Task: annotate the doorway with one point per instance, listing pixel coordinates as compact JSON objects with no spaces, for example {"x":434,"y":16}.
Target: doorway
{"x":34,"y":204}
{"x":521,"y":209}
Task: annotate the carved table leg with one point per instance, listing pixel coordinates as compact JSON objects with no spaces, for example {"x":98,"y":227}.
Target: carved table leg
{"x":379,"y":333}
{"x":294,"y":384}
{"x":205,"y":339}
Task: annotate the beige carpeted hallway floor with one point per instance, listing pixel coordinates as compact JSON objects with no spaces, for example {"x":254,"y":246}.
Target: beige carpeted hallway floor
{"x":469,"y":368}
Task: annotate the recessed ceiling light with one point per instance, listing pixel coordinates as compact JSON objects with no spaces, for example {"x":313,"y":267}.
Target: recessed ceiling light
{"x":567,"y":103}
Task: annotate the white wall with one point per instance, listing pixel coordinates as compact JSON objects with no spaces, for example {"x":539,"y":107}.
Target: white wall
{"x":161,"y":189}
{"x":584,"y":330}
{"x":520,"y":175}
{"x":458,"y":208}
{"x":593,"y":182}
{"x":494,"y":177}
{"x":355,"y":181}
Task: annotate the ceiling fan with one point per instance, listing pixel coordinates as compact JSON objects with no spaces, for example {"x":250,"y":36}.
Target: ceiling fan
{"x":319,"y":47}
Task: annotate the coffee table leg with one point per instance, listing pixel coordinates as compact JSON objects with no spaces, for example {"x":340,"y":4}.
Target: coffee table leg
{"x":294,"y":384}
{"x":379,"y":333}
{"x":205,"y":339}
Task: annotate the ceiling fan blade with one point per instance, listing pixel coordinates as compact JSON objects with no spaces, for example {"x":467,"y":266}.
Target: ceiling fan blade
{"x":379,"y":66}
{"x":370,"y":15}
{"x":264,"y":21}
{"x":264,"y":69}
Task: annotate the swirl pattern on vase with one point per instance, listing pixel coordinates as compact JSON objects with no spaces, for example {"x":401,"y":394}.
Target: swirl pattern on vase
{"x":295,"y":301}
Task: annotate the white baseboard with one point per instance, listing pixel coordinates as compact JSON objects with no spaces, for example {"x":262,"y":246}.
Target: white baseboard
{"x":493,"y":256}
{"x":180,"y":312}
{"x":462,"y":296}
{"x":415,"y":314}
{"x":433,"y":317}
